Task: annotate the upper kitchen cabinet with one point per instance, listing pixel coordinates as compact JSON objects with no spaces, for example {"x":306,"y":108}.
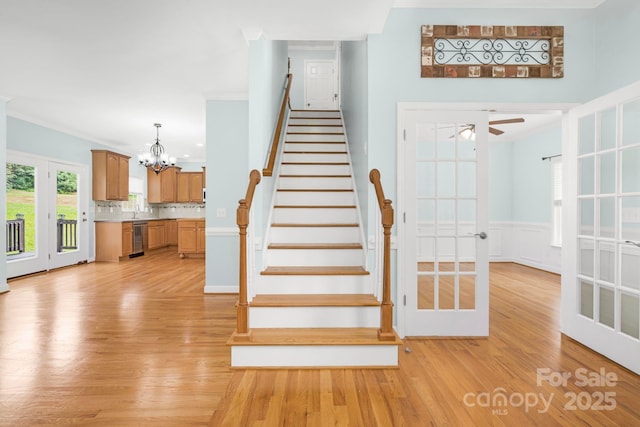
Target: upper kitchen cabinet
{"x":190,"y":186}
{"x":110,"y":175}
{"x":162,"y":187}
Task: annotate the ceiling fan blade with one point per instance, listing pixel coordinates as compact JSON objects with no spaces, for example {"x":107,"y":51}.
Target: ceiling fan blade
{"x":495,"y":131}
{"x":507,"y":121}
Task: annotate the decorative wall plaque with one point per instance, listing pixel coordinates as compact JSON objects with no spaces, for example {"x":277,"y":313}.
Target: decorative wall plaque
{"x":492,"y":51}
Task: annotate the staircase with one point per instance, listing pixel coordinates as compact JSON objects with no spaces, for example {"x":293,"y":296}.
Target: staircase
{"x":314,"y":302}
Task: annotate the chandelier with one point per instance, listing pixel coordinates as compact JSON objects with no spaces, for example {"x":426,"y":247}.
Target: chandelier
{"x":155,"y":159}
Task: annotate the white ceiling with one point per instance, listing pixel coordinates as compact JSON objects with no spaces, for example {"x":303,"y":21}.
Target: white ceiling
{"x":108,"y":70}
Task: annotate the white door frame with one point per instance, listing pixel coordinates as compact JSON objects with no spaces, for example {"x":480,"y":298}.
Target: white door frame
{"x":45,"y":259}
{"x":610,"y":342}
{"x":402,"y":108}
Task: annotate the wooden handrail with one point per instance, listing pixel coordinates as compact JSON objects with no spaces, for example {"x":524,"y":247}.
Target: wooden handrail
{"x":268,"y":170}
{"x":242,"y":332}
{"x":385,"y":333}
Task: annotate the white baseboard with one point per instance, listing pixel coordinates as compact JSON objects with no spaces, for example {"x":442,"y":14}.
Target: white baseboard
{"x":524,"y":243}
{"x":4,"y":288}
{"x":225,"y":289}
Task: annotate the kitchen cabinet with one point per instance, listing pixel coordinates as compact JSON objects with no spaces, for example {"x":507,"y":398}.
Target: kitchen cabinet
{"x":171,"y":231}
{"x":113,"y":240}
{"x":156,"y":234}
{"x":110,"y":173}
{"x":162,"y":187}
{"x":191,"y":236}
{"x":190,"y":186}
{"x":127,"y":238}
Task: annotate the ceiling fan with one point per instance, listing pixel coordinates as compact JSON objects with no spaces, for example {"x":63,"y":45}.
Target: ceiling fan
{"x":469,"y":130}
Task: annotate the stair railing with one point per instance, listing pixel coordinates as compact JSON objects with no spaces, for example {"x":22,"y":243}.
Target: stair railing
{"x":242,"y":332}
{"x":277,"y":134}
{"x":385,"y":333}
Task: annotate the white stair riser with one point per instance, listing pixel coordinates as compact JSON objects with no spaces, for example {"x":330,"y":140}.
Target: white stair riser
{"x":306,"y":114}
{"x":333,"y":158}
{"x":314,"y":317}
{"x":314,"y":216}
{"x":318,"y":148}
{"x":315,"y":169}
{"x":315,"y":234}
{"x":303,"y":138}
{"x":314,"y":129}
{"x":311,"y":122}
{"x":268,"y":284}
{"x":314,"y":257}
{"x":315,"y":183}
{"x":315,"y":198}
{"x":314,"y":355}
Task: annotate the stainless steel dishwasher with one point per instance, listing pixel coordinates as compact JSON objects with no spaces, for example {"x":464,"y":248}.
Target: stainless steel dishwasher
{"x":139,"y":238}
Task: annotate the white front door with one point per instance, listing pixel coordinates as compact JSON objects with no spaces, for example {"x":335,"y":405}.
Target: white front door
{"x":320,"y":85}
{"x":443,"y":254}
{"x":601,"y":239}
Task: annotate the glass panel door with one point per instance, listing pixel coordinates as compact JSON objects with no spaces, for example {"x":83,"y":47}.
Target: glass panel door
{"x":601,"y":273}
{"x":445,"y":256}
{"x":25,"y":221}
{"x":68,"y":216}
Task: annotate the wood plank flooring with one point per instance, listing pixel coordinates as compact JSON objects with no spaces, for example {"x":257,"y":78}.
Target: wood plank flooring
{"x":122,"y":345}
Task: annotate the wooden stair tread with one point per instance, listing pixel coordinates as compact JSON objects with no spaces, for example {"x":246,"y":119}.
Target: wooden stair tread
{"x":315,"y":190}
{"x":314,"y":152}
{"x":313,"y":336}
{"x":316,"y":163}
{"x":315,"y":206}
{"x":312,"y":125}
{"x":315,"y":142}
{"x":284,"y":224}
{"x":315,"y":246}
{"x":355,"y":270}
{"x":314,"y":176}
{"x":315,"y":133}
{"x":314,"y":300}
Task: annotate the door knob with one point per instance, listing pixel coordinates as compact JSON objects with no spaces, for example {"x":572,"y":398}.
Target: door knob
{"x":481,"y":235}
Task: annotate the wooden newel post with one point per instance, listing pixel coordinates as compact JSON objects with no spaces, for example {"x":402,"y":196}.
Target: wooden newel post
{"x":242,"y":307}
{"x":385,"y":333}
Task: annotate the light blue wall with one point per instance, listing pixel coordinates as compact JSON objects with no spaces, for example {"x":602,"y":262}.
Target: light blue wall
{"x":354,"y":106}
{"x":532,"y":177}
{"x":3,"y":184}
{"x":394,"y":70}
{"x":227,"y":163}
{"x":298,"y":56}
{"x":616,"y":38}
{"x":501,"y":182}
{"x":267,"y":78}
{"x":26,"y":137}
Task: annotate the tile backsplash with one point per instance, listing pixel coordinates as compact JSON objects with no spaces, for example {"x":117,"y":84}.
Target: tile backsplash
{"x":113,"y":211}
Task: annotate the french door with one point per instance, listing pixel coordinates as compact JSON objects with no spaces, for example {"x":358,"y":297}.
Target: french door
{"x":47,"y":206}
{"x":444,"y":248}
{"x":601,"y":265}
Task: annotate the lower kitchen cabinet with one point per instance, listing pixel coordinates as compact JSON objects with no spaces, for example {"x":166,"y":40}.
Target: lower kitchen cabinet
{"x":156,"y":237}
{"x":113,"y":240}
{"x":191,"y":236}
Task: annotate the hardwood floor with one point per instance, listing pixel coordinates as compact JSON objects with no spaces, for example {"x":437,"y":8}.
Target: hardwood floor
{"x":121,"y":345}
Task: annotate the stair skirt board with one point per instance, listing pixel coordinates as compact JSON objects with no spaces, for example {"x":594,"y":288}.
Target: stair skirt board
{"x":314,"y":317}
{"x":314,"y":257}
{"x":313,"y":284}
